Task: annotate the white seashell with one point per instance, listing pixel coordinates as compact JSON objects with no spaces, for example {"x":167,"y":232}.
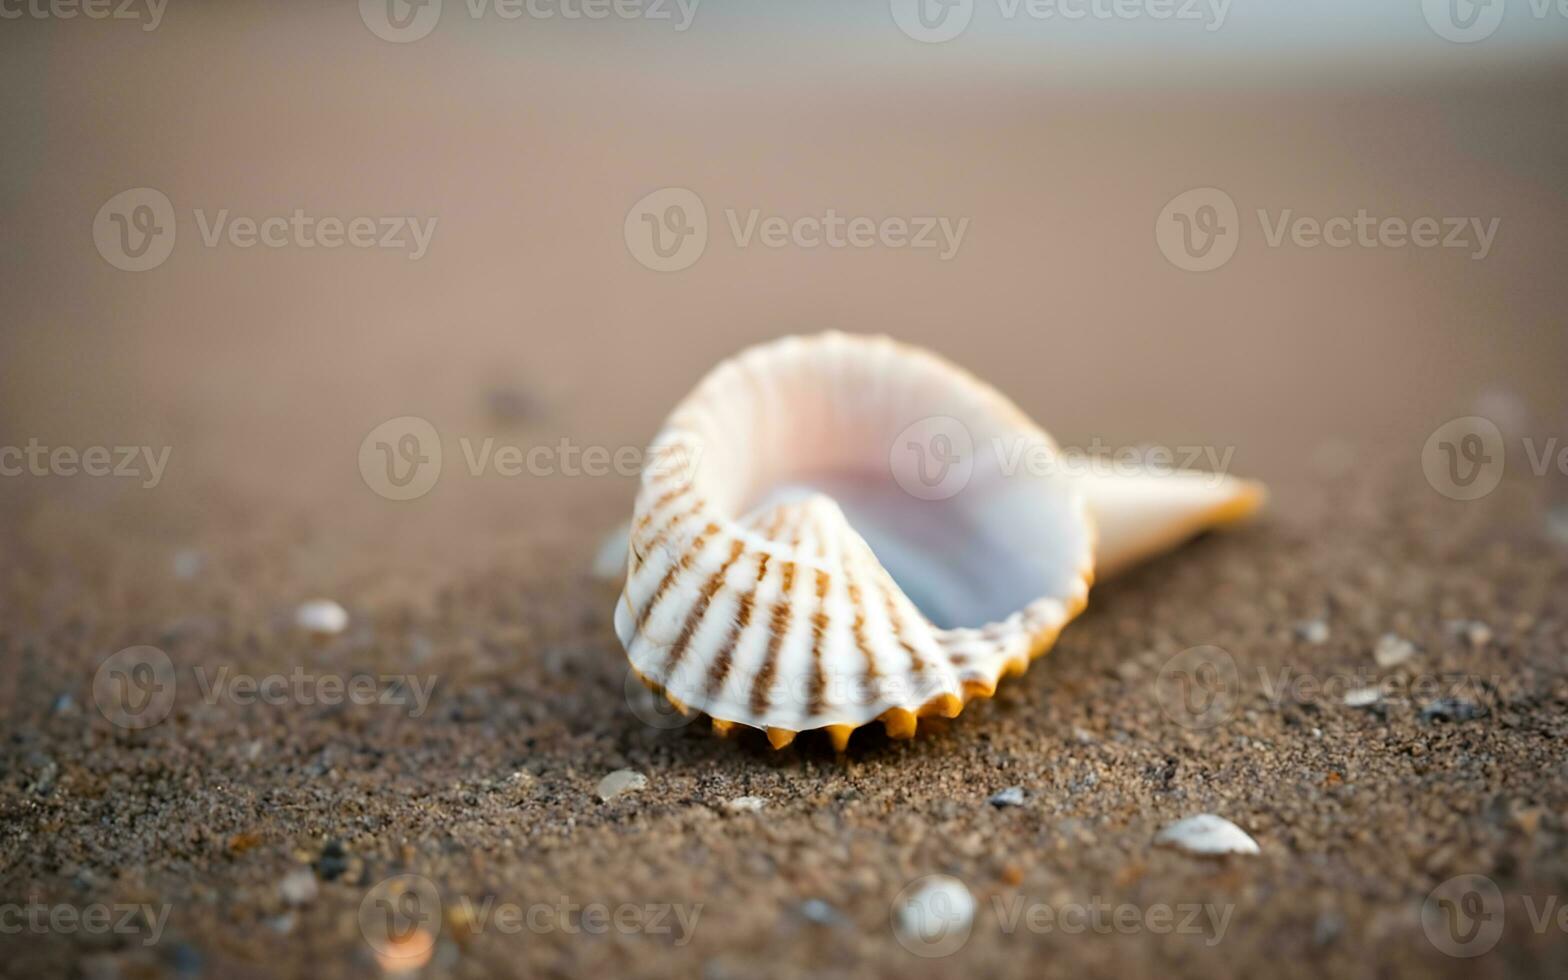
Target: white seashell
{"x":745,"y":804}
{"x":1207,"y":834}
{"x":322,"y":617}
{"x":829,"y":533}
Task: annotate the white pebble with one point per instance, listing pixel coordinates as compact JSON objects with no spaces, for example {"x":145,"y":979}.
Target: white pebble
{"x":1313,"y":631}
{"x":1011,"y":796}
{"x":620,"y":781}
{"x":298,"y":887}
{"x":1474,"y":632}
{"x":1207,"y":834}
{"x":938,"y":900}
{"x":1392,"y":650}
{"x":1363,"y":697}
{"x":322,"y":617}
{"x":745,"y":804}
{"x":609,"y":563}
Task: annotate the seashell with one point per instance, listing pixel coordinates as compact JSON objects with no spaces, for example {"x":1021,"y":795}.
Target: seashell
{"x":824,"y":537}
{"x":1207,"y":834}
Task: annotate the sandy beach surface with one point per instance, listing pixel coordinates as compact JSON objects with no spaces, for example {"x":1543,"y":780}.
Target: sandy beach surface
{"x":438,"y":761}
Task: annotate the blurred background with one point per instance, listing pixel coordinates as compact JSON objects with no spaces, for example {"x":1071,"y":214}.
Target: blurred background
{"x":1055,"y":134}
{"x":274,"y":257}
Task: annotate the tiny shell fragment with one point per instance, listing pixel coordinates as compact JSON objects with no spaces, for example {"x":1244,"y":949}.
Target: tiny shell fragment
{"x":1392,"y":650}
{"x":1207,"y":834}
{"x":1363,"y":697}
{"x":620,"y":781}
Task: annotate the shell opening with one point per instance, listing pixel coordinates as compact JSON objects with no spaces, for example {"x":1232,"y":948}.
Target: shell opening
{"x":943,"y":481}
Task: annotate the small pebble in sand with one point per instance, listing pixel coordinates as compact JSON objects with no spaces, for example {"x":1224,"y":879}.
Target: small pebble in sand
{"x":620,"y":781}
{"x":1452,"y":709}
{"x":1474,"y":632}
{"x":322,"y":617}
{"x":1313,"y":631}
{"x":1207,"y":834}
{"x":745,"y":804}
{"x":1557,"y":524}
{"x":938,"y":899}
{"x":405,"y":953}
{"x":298,"y":887}
{"x":1011,"y":796}
{"x":818,"y":912}
{"x":334,"y":862}
{"x":1363,"y":697}
{"x":1392,"y":650}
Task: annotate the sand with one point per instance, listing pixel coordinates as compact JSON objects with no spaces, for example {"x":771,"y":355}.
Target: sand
{"x":263,"y":825}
